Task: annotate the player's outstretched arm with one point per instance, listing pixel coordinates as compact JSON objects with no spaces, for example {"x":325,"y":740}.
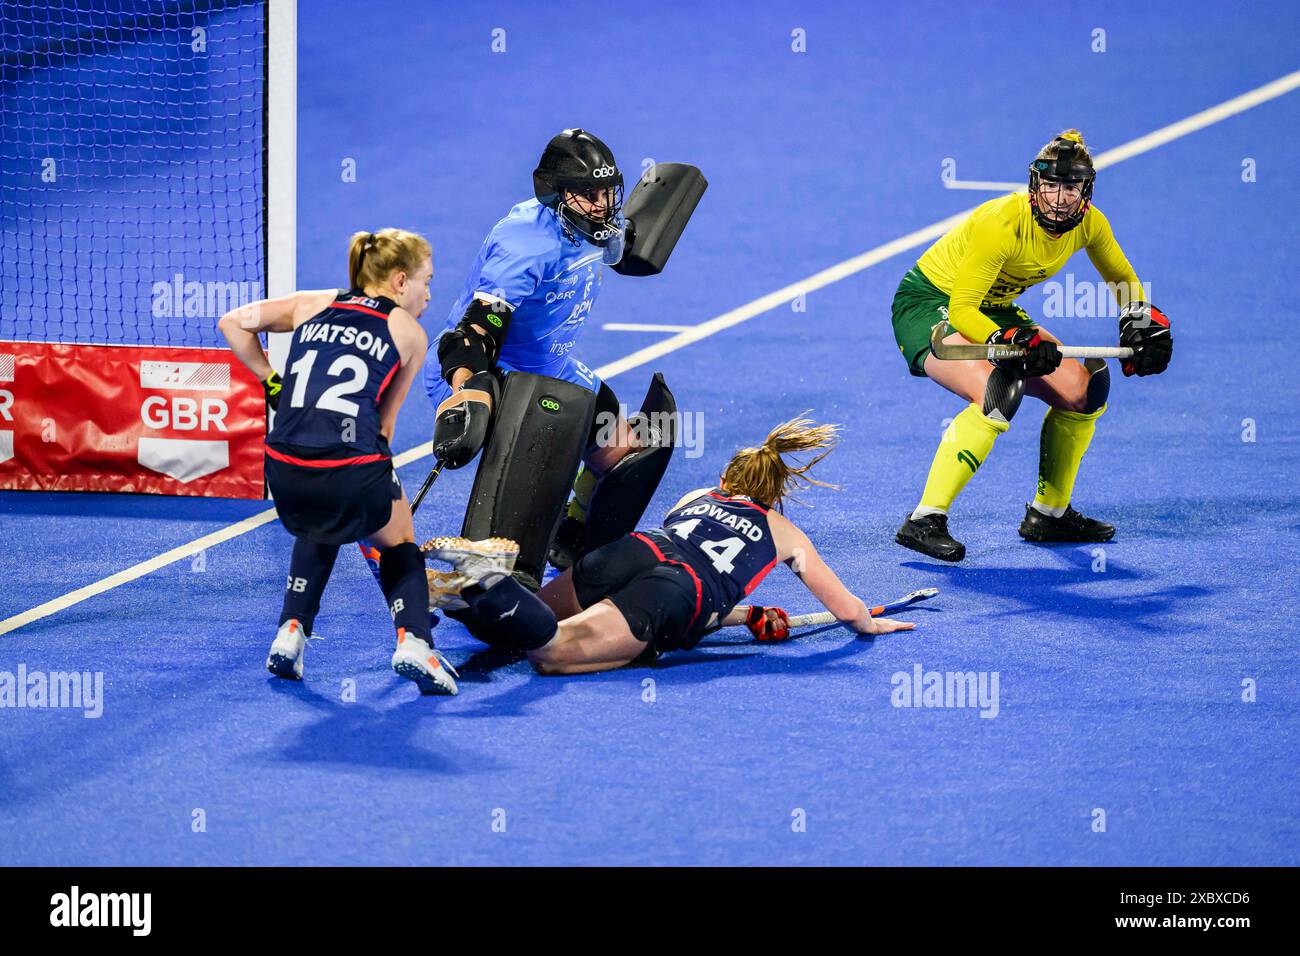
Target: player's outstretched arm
{"x":794,"y":548}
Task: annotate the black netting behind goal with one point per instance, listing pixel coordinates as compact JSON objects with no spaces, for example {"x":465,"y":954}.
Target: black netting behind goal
{"x":131,"y":168}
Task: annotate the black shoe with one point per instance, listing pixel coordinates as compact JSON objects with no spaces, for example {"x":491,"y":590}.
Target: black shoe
{"x":929,"y":535}
{"x":566,"y":546}
{"x":1071,"y":526}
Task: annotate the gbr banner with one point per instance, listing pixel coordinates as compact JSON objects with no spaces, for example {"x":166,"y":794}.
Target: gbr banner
{"x":168,"y":421}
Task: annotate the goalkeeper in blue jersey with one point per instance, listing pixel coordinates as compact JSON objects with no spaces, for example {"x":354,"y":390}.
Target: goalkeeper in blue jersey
{"x":523,"y":308}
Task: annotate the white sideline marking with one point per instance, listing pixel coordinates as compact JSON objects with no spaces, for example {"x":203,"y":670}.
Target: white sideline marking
{"x":695,"y":333}
{"x":985,"y":185}
{"x":640,"y":327}
{"x":137,"y":571}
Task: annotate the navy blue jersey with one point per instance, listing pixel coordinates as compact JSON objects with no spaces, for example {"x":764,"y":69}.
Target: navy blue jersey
{"x":340,"y":362}
{"x":727,"y":541}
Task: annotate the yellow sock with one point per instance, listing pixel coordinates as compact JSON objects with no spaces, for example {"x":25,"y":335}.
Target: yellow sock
{"x":1065,"y":437}
{"x":964,"y":446}
{"x":584,"y":486}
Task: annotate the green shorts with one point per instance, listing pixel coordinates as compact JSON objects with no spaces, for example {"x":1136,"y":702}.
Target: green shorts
{"x":919,"y":305}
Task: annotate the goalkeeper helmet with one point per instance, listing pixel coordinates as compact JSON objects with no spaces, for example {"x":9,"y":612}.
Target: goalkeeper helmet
{"x":578,"y":178}
{"x":1060,"y":183}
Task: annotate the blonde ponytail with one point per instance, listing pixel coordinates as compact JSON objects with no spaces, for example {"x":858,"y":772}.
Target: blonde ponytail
{"x":374,"y":256}
{"x":763,"y":474}
{"x":1081,"y":155}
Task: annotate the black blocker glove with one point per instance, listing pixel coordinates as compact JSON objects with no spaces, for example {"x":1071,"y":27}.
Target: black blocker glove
{"x":464,"y":419}
{"x":1145,"y":329}
{"x":1042,"y":357}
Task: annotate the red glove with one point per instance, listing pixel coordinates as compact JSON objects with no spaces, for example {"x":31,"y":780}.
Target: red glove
{"x":768,"y":624}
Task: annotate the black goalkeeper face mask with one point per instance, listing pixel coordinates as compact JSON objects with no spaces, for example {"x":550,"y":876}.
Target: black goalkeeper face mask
{"x":1053,"y":182}
{"x":600,"y":222}
{"x":579,"y":179}
{"x":1058,"y":204}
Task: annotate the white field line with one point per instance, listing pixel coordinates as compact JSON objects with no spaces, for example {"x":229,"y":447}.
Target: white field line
{"x":640,"y":327}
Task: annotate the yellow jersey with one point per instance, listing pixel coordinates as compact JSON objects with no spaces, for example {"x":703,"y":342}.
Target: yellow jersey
{"x":999,"y":252}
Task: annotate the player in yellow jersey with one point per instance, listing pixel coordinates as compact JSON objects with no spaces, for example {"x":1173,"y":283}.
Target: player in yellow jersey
{"x":971,"y":277}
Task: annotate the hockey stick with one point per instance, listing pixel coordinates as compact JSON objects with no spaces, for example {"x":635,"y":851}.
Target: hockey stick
{"x":963,"y":351}
{"x":826,"y":617}
{"x":428,"y":483}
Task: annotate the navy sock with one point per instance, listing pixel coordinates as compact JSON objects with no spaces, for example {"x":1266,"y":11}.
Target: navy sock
{"x":507,"y":615}
{"x":401,"y":575}
{"x":309,"y":570}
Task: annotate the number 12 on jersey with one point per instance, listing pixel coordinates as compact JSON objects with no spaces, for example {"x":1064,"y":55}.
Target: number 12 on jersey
{"x":332,"y":399}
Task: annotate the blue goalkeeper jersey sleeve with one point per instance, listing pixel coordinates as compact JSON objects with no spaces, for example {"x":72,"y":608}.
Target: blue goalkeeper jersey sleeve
{"x":551,"y":281}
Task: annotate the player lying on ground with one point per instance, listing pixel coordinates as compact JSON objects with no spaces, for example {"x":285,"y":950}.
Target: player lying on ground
{"x":971,"y":278}
{"x":663,"y":589}
{"x":353,"y":357}
{"x":525,"y":303}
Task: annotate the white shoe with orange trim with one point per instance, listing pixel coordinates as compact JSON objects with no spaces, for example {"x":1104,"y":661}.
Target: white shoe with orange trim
{"x":285,"y":659}
{"x":415,"y":660}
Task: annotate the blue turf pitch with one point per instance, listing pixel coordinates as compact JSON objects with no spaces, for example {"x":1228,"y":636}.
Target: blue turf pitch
{"x":1120,"y":674}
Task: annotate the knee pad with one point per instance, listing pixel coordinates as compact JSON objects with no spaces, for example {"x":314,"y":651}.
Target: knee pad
{"x":1002,"y":394}
{"x":1098,"y":384}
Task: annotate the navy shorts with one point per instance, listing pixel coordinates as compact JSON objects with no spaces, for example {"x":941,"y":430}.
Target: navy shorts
{"x":331,"y":505}
{"x":658,"y":593}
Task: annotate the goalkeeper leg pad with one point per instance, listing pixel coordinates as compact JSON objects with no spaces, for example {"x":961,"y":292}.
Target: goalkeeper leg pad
{"x":538,"y":438}
{"x":625,"y":491}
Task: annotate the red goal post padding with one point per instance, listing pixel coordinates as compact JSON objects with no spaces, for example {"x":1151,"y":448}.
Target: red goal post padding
{"x":161,"y":420}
